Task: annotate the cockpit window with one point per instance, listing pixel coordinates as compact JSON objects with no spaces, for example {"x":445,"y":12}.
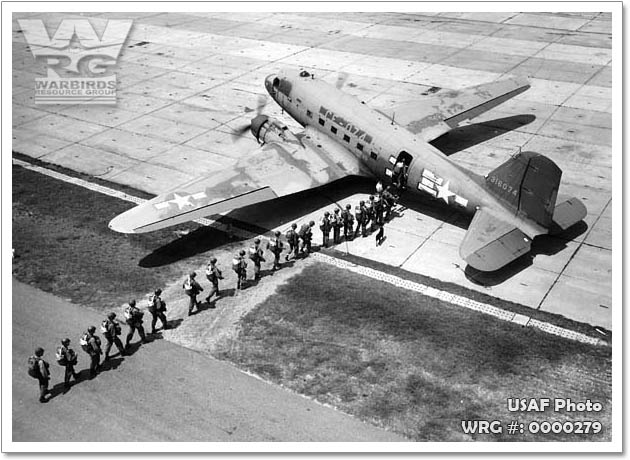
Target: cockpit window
{"x":276,"y":83}
{"x":284,"y":86}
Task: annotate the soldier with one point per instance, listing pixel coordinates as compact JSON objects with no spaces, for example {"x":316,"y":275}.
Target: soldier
{"x":369,"y":205}
{"x":157,"y":307}
{"x":38,"y":368}
{"x":256,"y":255}
{"x":192,"y":289}
{"x":213,"y":274}
{"x":306,"y":234}
{"x":389,"y":200}
{"x":239,"y":265}
{"x":358,"y":214}
{"x":379,"y":189}
{"x":275,"y":246}
{"x":324,"y":226}
{"x":91,"y":344}
{"x":111,"y":330}
{"x":348,"y":222}
{"x":380,"y":236}
{"x":67,"y":358}
{"x":378,"y":210}
{"x":337,"y":223}
{"x":134,"y":320}
{"x":365,"y":218}
{"x":294,"y":242}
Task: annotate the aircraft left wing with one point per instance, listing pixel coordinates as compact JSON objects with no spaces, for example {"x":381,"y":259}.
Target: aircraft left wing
{"x":436,"y":115}
{"x":273,"y":170}
{"x":490,"y":243}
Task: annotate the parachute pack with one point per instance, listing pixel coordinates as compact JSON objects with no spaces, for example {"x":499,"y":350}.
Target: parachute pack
{"x":33,"y":367}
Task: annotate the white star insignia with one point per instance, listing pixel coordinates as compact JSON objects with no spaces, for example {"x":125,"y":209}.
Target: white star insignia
{"x":443,"y":192}
{"x":181,"y":200}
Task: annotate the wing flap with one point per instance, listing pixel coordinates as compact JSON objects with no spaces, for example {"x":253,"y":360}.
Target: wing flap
{"x":433,"y":116}
{"x":490,"y":243}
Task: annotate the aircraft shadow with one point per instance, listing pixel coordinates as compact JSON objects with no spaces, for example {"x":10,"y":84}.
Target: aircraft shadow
{"x":464,"y":137}
{"x":261,"y":218}
{"x":547,"y":245}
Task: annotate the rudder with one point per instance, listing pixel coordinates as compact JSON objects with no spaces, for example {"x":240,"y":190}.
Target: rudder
{"x":528,"y":183}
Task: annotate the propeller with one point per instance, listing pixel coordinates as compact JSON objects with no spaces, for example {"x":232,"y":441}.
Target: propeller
{"x":261,"y":103}
{"x":341,"y":80}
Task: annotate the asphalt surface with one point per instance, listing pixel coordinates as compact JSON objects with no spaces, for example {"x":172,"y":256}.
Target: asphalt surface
{"x":185,"y":396}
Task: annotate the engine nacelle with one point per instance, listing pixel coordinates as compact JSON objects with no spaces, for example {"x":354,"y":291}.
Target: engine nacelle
{"x":267,"y":129}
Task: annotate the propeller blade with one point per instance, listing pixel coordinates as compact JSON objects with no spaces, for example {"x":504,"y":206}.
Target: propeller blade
{"x":262,"y":103}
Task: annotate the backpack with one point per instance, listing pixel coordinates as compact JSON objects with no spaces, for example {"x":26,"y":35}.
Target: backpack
{"x":253,"y":254}
{"x":236,"y":264}
{"x":33,"y":367}
{"x":291,"y":236}
{"x":60,"y":356}
{"x":104,"y":326}
{"x":84,"y":341}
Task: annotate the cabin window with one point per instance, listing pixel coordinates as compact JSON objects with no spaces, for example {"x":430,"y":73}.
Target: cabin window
{"x":346,"y":138}
{"x":373,"y":155}
{"x":309,"y":114}
{"x":333,"y":130}
{"x":360,"y":147}
{"x":322,"y":122}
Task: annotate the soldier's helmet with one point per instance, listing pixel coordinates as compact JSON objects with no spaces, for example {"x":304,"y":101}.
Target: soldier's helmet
{"x":336,"y":210}
{"x":91,"y":329}
{"x":311,"y":223}
{"x":132,"y":303}
{"x":257,"y":241}
{"x":158,"y":291}
{"x":39,"y":351}
{"x":242,"y":252}
{"x":112,"y":315}
{"x":348,"y":206}
{"x":212,"y":261}
{"x":193,"y":274}
{"x":294,"y":225}
{"x":277,"y":233}
{"x":65,"y":342}
{"x":362,"y":202}
{"x":371,"y":197}
{"x":326,"y":214}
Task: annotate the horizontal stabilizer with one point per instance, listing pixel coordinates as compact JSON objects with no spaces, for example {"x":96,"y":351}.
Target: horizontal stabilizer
{"x":490,"y":243}
{"x":568,"y":211}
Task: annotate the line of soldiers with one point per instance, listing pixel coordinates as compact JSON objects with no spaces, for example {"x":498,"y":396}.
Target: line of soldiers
{"x":91,"y":343}
{"x":367,"y":215}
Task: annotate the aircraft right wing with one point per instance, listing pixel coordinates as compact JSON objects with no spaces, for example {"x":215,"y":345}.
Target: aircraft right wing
{"x":490,"y":243}
{"x":275,"y":169}
{"x":436,"y":115}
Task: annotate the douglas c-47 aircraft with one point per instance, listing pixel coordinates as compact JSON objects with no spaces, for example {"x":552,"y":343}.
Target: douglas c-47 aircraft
{"x":342,"y":136}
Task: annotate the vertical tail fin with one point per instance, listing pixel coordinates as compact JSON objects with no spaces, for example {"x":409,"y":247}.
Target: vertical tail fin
{"x":528,"y":183}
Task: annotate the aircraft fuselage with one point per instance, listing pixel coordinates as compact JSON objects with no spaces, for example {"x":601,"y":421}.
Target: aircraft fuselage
{"x":378,"y":142}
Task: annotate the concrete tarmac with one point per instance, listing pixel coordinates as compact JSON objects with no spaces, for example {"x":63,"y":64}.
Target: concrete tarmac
{"x":186,"y":81}
{"x":200,"y":399}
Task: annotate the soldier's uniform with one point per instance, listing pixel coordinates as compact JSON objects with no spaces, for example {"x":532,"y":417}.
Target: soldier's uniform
{"x":42,"y":373}
{"x":324,"y":226}
{"x":306,"y":234}
{"x":213,"y":274}
{"x":389,"y":200}
{"x":294,"y":242}
{"x":192,"y":289}
{"x":348,"y":222}
{"x":157,"y":308}
{"x":358,"y":214}
{"x":239,"y":265}
{"x":67,"y":358}
{"x":378,"y":210}
{"x":369,"y":205}
{"x":276,"y":246}
{"x":91,"y":344}
{"x":365,"y":218}
{"x":134,"y":321}
{"x":337,"y":223}
{"x":256,"y":255}
{"x":111,"y":330}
